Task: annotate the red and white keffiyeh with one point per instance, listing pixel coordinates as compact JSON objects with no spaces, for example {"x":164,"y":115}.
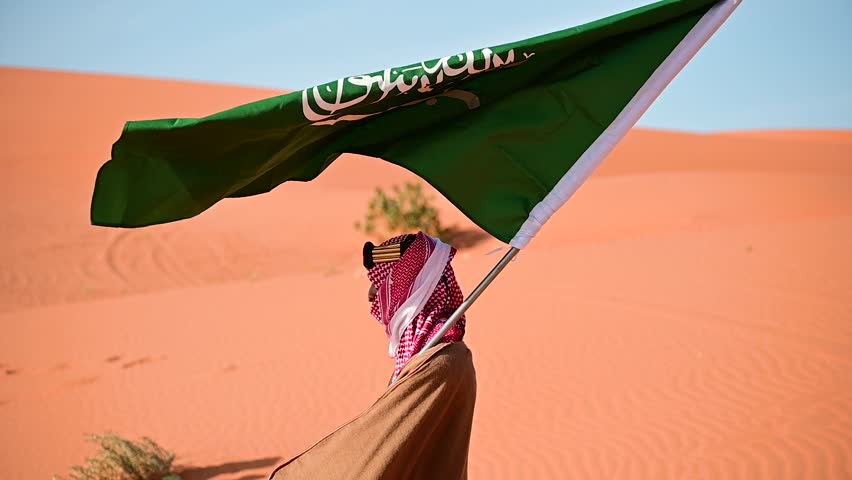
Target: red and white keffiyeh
{"x":395,"y":282}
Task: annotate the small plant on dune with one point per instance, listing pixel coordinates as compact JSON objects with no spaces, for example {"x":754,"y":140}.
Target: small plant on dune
{"x":403,"y":210}
{"x":121,"y":459}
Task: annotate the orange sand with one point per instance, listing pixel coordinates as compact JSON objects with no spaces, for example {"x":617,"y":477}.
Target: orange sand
{"x":686,"y":315}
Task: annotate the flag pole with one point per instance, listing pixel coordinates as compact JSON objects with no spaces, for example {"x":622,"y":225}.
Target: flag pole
{"x":471,"y":298}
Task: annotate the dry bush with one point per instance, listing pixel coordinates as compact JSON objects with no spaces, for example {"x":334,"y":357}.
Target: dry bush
{"x":121,"y":459}
{"x":405,"y":209}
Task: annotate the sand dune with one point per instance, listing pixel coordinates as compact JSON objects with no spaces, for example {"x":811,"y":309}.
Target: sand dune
{"x":690,"y":304}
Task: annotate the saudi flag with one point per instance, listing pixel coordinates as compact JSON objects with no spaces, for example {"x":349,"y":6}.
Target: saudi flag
{"x":506,"y":133}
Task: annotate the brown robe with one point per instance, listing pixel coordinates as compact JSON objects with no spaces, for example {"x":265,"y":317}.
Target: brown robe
{"x":418,"y":429}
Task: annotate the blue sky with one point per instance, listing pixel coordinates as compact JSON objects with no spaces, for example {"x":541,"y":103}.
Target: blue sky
{"x":775,"y":64}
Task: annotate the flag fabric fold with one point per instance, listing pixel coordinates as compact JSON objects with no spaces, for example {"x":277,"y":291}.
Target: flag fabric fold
{"x":505,"y":133}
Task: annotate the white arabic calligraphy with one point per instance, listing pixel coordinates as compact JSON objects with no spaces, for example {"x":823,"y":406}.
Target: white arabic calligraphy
{"x":470,"y":99}
{"x":393,"y":82}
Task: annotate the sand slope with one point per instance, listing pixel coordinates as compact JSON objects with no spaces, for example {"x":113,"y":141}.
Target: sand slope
{"x":686,"y":315}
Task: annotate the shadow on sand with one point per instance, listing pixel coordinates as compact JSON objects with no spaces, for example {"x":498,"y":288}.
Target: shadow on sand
{"x":206,"y":473}
{"x":464,"y":238}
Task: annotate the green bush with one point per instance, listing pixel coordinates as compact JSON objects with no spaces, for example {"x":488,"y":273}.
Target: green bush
{"x":121,"y":459}
{"x":405,"y":209}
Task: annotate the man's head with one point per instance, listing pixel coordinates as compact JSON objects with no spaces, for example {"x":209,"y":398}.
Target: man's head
{"x":393,"y":266}
{"x":386,"y":253}
{"x":413,"y":290}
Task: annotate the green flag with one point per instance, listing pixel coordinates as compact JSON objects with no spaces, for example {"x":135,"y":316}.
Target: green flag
{"x":506,"y":133}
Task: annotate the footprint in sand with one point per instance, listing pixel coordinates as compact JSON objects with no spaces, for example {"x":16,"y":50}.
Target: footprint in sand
{"x":60,"y":367}
{"x":137,"y":362}
{"x":82,"y":381}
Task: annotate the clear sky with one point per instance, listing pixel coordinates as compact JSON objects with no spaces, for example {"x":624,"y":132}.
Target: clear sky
{"x":775,"y":64}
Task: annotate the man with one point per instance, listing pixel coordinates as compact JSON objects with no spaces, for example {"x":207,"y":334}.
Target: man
{"x":420,"y":427}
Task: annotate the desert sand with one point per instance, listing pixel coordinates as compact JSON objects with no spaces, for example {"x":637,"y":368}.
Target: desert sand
{"x":688,"y":314}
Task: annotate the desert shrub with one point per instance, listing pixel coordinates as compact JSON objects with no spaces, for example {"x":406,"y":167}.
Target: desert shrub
{"x":121,"y":459}
{"x":404,"y":209}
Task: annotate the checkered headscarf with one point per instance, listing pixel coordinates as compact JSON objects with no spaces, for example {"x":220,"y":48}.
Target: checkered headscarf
{"x":393,"y":282}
